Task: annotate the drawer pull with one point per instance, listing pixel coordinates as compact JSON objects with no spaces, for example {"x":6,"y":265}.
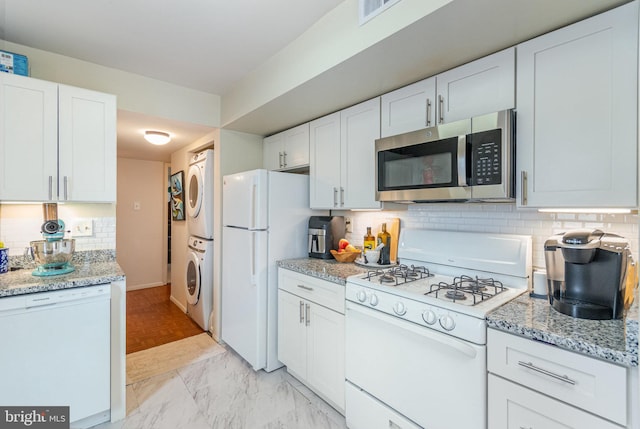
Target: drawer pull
{"x":531,"y":366}
{"x":305,"y":287}
{"x":301,"y":311}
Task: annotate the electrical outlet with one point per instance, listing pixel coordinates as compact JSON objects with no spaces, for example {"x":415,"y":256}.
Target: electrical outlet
{"x":82,"y":228}
{"x":348,"y":226}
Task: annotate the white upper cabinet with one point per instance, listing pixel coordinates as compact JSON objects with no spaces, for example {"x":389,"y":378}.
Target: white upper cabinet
{"x":58,"y":143}
{"x":409,"y":108}
{"x":287,"y":150}
{"x":87,"y":145}
{"x":482,"y":86}
{"x":342,"y":168}
{"x":577,"y":117}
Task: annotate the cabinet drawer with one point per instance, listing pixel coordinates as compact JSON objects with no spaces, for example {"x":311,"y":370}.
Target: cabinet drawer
{"x":512,"y":406}
{"x":366,"y":412}
{"x":587,"y":383}
{"x":322,"y":292}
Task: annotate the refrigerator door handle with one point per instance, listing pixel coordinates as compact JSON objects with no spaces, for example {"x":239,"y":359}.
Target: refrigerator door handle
{"x":252,"y":259}
{"x":254,"y":196}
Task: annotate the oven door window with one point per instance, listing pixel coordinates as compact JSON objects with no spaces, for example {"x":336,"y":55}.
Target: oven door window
{"x":421,"y":166}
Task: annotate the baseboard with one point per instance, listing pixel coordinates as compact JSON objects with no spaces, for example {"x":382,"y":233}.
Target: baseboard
{"x":144,"y":286}
{"x":178,"y":303}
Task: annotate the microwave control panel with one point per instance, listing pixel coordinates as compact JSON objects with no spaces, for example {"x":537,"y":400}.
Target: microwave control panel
{"x":486,"y":159}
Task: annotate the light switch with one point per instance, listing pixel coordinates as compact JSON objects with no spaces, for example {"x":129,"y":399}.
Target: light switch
{"x":136,"y":205}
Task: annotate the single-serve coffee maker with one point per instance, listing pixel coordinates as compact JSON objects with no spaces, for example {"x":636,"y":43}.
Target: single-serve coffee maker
{"x":586,"y":273}
{"x":324,"y":234}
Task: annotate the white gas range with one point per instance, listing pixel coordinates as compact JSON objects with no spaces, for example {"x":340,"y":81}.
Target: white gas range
{"x":416,"y":333}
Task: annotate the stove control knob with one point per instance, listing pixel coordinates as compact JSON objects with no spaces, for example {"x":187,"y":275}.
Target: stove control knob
{"x":447,"y":322}
{"x":429,"y":317}
{"x":374,"y":300}
{"x":361,"y":296}
{"x":400,"y":309}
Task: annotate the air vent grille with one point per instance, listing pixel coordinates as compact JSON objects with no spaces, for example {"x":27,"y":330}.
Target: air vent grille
{"x":371,"y":8}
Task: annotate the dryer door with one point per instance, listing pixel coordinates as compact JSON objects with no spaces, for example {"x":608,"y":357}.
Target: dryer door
{"x":193,"y":278}
{"x":195,"y":187}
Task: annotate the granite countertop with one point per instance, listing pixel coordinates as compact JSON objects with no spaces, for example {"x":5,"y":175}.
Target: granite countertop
{"x":91,"y":268}
{"x":615,"y":341}
{"x":325,"y":269}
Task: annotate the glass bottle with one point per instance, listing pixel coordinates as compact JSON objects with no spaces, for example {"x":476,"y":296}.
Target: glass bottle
{"x":369,"y":241}
{"x":385,"y":252}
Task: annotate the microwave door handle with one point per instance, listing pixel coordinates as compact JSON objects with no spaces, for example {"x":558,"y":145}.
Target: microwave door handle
{"x":462,"y":160}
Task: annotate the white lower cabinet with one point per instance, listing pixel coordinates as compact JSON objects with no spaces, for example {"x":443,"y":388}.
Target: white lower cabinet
{"x":537,"y":385}
{"x":311,"y":333}
{"x":512,"y":406}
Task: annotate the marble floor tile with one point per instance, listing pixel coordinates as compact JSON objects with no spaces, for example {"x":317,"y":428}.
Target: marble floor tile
{"x":216,"y":389}
{"x":161,"y":359}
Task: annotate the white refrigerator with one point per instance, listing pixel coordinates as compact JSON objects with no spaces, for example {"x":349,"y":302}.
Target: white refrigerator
{"x":265,"y":218}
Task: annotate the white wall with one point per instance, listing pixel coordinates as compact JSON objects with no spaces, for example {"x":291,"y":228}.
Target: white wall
{"x":135,"y":93}
{"x":20,"y":224}
{"x":335,"y":38}
{"x":140,"y":237}
{"x":497,"y":218}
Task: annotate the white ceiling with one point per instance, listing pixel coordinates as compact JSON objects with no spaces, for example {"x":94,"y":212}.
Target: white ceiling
{"x":211,"y":44}
{"x":206,"y":45}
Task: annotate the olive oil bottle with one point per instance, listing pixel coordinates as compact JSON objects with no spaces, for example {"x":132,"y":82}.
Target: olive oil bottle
{"x":384,"y":237}
{"x":369,"y":241}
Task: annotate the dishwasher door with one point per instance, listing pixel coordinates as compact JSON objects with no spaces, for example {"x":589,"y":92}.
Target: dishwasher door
{"x":56,"y":351}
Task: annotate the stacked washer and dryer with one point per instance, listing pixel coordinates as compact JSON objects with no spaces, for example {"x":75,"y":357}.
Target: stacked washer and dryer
{"x":199,"y":270}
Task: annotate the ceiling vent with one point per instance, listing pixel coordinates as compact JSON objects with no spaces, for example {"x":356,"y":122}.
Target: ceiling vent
{"x":369,"y":9}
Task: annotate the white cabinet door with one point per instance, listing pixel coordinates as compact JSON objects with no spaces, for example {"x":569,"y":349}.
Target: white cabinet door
{"x":325,"y":346}
{"x":410,"y":108}
{"x":296,"y":147}
{"x":577,"y":114}
{"x":272,"y":148}
{"x":28,"y":139}
{"x":292,"y":333}
{"x":482,"y":86}
{"x":512,"y":406}
{"x":287,"y":150}
{"x":324,"y":167}
{"x":87,"y":145}
{"x":360,"y":127}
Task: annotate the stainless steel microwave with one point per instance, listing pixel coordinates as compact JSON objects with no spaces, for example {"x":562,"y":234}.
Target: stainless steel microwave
{"x":468,"y":160}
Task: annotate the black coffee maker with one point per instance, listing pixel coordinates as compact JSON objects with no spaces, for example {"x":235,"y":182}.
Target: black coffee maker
{"x":586,"y":273}
{"x":324,"y":234}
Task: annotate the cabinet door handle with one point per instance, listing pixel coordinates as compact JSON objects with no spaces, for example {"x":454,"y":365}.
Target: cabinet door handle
{"x":532,"y":367}
{"x":440,"y":109}
{"x":335,"y":197}
{"x":66,"y":192}
{"x":308,"y":315}
{"x":428,"y":122}
{"x":50,"y":187}
{"x":305,"y":287}
{"x":284,"y":157}
{"x":301,"y":311}
{"x":280,"y":159}
{"x":523,"y":188}
{"x":341,"y":197}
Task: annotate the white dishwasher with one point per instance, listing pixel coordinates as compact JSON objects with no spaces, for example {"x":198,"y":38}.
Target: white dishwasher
{"x":56,"y":351}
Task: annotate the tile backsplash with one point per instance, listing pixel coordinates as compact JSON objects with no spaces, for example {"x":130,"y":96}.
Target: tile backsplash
{"x":497,"y":218}
{"x":20,"y":224}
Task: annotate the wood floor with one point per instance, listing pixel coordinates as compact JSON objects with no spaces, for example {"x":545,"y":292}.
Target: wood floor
{"x":153,"y":320}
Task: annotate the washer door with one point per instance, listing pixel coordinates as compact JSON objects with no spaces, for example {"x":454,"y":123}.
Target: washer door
{"x":193,"y":278}
{"x":195,"y":183}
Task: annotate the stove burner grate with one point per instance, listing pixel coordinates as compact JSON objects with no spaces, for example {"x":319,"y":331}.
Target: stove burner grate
{"x":398,"y":275}
{"x":467,"y":287}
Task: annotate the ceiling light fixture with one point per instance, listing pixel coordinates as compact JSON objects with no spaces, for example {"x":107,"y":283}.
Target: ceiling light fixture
{"x":157,"y":137}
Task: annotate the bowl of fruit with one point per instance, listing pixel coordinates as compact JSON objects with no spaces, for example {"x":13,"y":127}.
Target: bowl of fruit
{"x":346,"y":252}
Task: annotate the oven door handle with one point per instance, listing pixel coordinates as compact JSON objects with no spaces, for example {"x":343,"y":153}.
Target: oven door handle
{"x":424,"y":332}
